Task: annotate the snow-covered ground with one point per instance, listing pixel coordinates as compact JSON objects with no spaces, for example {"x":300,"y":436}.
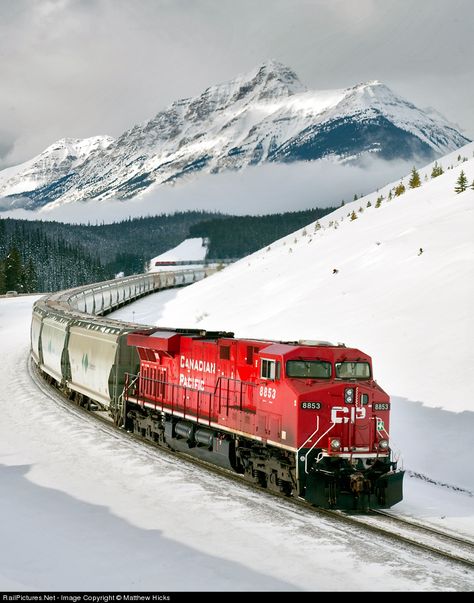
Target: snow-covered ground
{"x":86,"y":510}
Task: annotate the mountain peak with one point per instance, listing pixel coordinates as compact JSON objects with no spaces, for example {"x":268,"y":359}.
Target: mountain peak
{"x":273,"y":78}
{"x":274,"y":68}
{"x":375,"y":94}
{"x":269,"y":80}
{"x":370,"y":84}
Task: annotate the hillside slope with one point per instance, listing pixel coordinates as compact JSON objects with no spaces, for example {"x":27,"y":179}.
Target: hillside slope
{"x":397,"y":282}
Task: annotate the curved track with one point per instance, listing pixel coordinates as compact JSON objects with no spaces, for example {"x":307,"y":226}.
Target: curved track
{"x":424,"y":537}
{"x":438,"y":541}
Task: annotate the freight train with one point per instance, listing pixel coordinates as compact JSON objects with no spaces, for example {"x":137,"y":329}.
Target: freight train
{"x":303,"y":418}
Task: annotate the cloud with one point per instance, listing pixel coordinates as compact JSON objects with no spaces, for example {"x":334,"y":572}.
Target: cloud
{"x":79,"y":68}
{"x":256,"y":190}
{"x":7,"y":144}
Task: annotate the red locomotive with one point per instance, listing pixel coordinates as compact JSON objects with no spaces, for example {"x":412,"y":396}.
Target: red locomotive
{"x":304,"y":418}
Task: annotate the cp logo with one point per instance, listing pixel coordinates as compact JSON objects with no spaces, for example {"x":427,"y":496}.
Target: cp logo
{"x":344,"y":414}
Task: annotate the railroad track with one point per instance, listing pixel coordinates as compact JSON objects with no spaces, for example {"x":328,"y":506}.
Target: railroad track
{"x":428,"y":529}
{"x":438,"y":542}
{"x":400,"y":530}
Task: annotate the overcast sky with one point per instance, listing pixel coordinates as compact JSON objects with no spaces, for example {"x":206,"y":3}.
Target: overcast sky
{"x":77,"y":68}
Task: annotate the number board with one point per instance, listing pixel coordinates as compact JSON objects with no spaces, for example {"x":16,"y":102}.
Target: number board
{"x":311,"y":405}
{"x":381,"y":406}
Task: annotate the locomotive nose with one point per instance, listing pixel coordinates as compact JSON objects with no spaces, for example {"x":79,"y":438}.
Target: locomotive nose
{"x":359,"y":425}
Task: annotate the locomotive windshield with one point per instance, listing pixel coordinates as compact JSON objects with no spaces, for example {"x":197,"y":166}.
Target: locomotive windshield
{"x":308,"y":369}
{"x":352,"y":370}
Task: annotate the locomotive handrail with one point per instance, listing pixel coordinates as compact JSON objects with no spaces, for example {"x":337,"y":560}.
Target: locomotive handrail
{"x":241,"y":383}
{"x":313,"y":434}
{"x":305,"y":442}
{"x":176,"y":389}
{"x":317,"y":442}
{"x":131,"y":380}
{"x":122,"y":398}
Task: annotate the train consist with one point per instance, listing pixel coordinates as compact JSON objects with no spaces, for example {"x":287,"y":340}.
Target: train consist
{"x":304,"y":418}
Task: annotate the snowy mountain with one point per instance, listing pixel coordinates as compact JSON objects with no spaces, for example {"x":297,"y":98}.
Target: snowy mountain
{"x":53,"y":165}
{"x":264,"y":116}
{"x":397,"y":282}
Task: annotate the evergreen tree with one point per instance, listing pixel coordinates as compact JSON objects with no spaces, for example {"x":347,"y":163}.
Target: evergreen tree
{"x":437,"y":170}
{"x":378,"y":203}
{"x":461,"y":183}
{"x":2,"y":238}
{"x":399,"y":189}
{"x":353,"y":216}
{"x":414,"y":181}
{"x":369,"y":204}
{"x":13,"y":270}
{"x":29,"y":278}
{"x":472,"y":185}
{"x":389,"y":195}
{"x":2,"y":277}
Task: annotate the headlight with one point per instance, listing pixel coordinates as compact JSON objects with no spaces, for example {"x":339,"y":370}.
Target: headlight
{"x":349,"y":396}
{"x":383,"y":444}
{"x":335,"y":444}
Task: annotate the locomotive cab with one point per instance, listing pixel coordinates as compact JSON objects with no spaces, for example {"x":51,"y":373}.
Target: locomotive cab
{"x":344,"y":456}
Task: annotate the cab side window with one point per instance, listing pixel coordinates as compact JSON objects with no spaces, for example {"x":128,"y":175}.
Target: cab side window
{"x":269,"y":369}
